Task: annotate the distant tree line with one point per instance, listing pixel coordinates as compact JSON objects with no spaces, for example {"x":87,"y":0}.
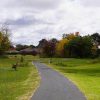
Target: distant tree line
{"x":72,"y":45}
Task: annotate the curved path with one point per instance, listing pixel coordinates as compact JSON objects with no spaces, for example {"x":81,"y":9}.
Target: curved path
{"x":55,"y":86}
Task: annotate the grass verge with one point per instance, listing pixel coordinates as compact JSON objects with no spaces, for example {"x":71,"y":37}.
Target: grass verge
{"x":20,"y":84}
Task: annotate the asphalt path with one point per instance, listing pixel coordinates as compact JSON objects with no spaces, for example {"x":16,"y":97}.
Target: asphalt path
{"x":55,"y":86}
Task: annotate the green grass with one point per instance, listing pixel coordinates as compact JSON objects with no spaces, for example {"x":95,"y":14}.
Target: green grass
{"x":85,"y":73}
{"x":20,"y":84}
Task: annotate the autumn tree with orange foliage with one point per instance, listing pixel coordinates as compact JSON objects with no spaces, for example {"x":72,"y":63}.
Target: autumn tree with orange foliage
{"x":60,"y":47}
{"x":65,"y":40}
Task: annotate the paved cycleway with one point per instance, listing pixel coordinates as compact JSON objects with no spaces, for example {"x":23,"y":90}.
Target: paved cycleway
{"x":55,"y":86}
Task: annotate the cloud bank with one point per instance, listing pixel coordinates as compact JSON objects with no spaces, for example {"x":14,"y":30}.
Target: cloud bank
{"x":32,"y":20}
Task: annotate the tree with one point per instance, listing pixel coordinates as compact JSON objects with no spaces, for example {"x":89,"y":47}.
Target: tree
{"x":96,"y":38}
{"x":65,"y":40}
{"x":79,"y":47}
{"x":60,"y":47}
{"x":54,"y":40}
{"x":49,"y":48}
{"x":4,"y":40}
{"x":32,"y":46}
{"x":96,"y":42}
{"x":21,"y":47}
{"x":71,"y":35}
{"x":42,"y":43}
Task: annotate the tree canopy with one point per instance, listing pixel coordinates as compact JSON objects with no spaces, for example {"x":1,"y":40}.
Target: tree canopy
{"x":4,"y":40}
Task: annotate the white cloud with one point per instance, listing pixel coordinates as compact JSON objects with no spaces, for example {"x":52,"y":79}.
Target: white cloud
{"x":90,"y":3}
{"x":32,"y":20}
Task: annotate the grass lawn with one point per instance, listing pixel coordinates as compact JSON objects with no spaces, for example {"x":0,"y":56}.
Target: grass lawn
{"x":20,"y":84}
{"x":85,"y":73}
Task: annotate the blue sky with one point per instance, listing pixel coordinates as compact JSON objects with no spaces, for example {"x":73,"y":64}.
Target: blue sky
{"x":32,"y":20}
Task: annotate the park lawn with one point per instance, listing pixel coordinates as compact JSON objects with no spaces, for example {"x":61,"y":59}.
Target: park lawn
{"x":84,"y":73}
{"x":20,"y":84}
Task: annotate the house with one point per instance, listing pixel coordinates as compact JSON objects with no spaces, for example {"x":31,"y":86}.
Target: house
{"x":29,"y":51}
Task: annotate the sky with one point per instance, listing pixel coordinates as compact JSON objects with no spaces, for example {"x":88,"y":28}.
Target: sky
{"x":32,"y":20}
